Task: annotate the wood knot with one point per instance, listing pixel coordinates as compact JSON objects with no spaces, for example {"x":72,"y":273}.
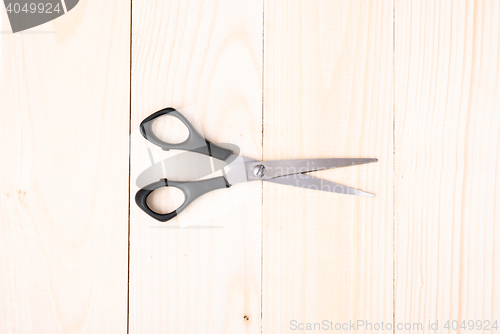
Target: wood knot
{"x":246,"y":317}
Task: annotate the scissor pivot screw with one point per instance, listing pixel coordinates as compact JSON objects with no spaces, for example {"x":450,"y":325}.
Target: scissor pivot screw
{"x":259,"y":171}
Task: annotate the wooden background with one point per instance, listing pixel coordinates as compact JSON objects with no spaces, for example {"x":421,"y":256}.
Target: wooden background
{"x":412,"y":83}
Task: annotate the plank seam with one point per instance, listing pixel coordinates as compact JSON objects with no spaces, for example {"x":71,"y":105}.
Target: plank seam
{"x":394,"y":166}
{"x":262,"y":183}
{"x":129,"y":169}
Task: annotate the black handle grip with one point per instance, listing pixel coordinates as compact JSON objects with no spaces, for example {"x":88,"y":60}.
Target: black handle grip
{"x":194,"y":142}
{"x":192,"y":190}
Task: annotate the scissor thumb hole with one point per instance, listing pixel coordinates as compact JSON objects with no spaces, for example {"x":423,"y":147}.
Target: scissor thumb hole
{"x":170,"y":129}
{"x":165,"y":200}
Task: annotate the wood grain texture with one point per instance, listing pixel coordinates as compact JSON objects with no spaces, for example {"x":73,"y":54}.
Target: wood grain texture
{"x":253,"y":257}
{"x":447,"y":130}
{"x":206,"y":56}
{"x":64,"y":171}
{"x":328,"y":93}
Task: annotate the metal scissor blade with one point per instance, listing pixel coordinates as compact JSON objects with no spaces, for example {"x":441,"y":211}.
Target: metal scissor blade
{"x":278,"y":168}
{"x":311,"y":182}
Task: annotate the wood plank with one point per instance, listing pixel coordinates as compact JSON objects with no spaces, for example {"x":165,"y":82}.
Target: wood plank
{"x":447,"y":130}
{"x":206,"y":57}
{"x":328,"y":93}
{"x":64,"y":171}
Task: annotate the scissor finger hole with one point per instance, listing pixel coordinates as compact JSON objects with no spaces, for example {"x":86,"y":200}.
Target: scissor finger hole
{"x":165,"y":200}
{"x":170,"y":129}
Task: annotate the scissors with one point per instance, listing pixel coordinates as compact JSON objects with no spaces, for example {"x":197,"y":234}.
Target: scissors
{"x":241,"y":169}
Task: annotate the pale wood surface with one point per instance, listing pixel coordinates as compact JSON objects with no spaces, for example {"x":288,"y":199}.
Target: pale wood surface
{"x":447,"y":136}
{"x":64,"y":172}
{"x":206,"y":56}
{"x":328,"y":93}
{"x":414,"y":84}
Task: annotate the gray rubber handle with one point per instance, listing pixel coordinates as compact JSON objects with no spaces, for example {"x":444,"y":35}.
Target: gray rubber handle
{"x":191,"y":189}
{"x":194,"y":142}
